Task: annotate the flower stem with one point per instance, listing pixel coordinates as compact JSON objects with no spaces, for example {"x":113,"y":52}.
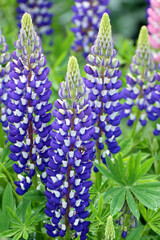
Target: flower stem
{"x":67,"y":237}
{"x":135,"y":123}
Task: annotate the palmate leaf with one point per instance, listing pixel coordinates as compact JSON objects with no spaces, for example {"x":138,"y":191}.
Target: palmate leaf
{"x":152,"y":218}
{"x":14,"y":216}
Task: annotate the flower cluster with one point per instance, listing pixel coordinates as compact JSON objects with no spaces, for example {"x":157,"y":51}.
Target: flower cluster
{"x":141,"y":84}
{"x":153,"y":17}
{"x":103,"y":86}
{"x":87,"y":18}
{"x":28,"y":91}
{"x":39,"y":11}
{"x":127,"y":220}
{"x":70,"y":164}
{"x":5,"y":57}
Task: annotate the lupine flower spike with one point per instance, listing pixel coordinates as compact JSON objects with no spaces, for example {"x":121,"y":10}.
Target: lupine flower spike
{"x":87,"y":18}
{"x":5,"y":57}
{"x":40,"y":13}
{"x":29,"y":92}
{"x":109,"y":231}
{"x":103,"y":86}
{"x":153,"y":17}
{"x":70,"y":164}
{"x":140,"y":96}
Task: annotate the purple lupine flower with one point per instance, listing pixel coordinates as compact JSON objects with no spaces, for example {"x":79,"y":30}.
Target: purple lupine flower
{"x":5,"y":57}
{"x":87,"y":19}
{"x":153,"y":18}
{"x":127,"y":220}
{"x":40,"y":13}
{"x":140,"y":94}
{"x":29,"y":92}
{"x":103,"y":86}
{"x":70,"y":164}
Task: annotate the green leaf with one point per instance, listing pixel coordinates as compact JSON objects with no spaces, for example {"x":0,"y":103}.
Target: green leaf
{"x":126,"y":146}
{"x":110,"y":193}
{"x":132,"y":204}
{"x":155,"y":228}
{"x":94,"y":210}
{"x":25,"y":234}
{"x":7,"y":201}
{"x":9,"y":233}
{"x":28,"y":215}
{"x":135,"y":234}
{"x":151,"y":185}
{"x":21,"y":209}
{"x":107,"y":174}
{"x":113,"y":169}
{"x":117,"y":201}
{"x":120,"y":165}
{"x":143,"y":169}
{"x":144,"y":198}
{"x":17,"y":236}
{"x":100,"y":206}
{"x":35,"y":195}
{"x":14,"y":216}
{"x":130,"y":170}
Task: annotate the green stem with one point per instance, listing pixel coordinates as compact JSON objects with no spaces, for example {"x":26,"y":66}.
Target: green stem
{"x":67,"y":237}
{"x":135,"y":123}
{"x":143,"y":230}
{"x":98,"y":175}
{"x":39,"y":235}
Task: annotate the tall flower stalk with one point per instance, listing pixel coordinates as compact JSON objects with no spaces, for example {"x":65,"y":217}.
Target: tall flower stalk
{"x":140,"y":96}
{"x":40,"y":13}
{"x":28,"y":91}
{"x":103,"y":86}
{"x":86,"y":19}
{"x":5,"y":57}
{"x":70,"y":164}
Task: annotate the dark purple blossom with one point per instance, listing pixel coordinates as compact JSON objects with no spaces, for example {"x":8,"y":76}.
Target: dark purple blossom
{"x":103,"y":86}
{"x":29,"y":92}
{"x":141,"y":95}
{"x":127,"y":220}
{"x":70,"y":164}
{"x":87,"y":19}
{"x":5,"y":57}
{"x":40,"y":13}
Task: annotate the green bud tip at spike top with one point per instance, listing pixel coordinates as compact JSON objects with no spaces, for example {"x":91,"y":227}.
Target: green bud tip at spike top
{"x":143,"y":39}
{"x":109,"y":231}
{"x":73,"y":67}
{"x":105,"y":27}
{"x":26,"y":21}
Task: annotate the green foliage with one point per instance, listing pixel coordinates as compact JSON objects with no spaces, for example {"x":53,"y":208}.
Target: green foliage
{"x":128,"y":186}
